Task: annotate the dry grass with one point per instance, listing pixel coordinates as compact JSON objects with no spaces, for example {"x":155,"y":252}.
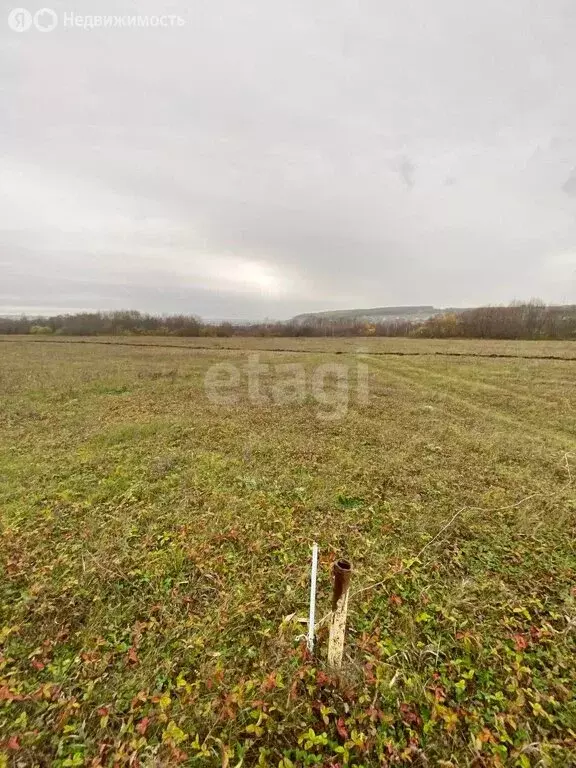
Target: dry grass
{"x":154,"y":544}
{"x":371,"y":345}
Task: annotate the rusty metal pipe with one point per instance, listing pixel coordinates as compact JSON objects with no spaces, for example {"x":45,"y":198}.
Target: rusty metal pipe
{"x":341,"y":573}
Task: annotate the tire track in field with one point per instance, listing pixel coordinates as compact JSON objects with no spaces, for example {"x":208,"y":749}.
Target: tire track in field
{"x":458,"y":380}
{"x":547,"y":404}
{"x":519,"y":389}
{"x":483,"y":411}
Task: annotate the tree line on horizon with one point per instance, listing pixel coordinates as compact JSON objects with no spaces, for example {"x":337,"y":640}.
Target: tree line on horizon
{"x":519,"y":320}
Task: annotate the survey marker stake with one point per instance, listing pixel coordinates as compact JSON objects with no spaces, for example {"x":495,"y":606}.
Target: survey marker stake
{"x":341,"y":572}
{"x":312,"y":614}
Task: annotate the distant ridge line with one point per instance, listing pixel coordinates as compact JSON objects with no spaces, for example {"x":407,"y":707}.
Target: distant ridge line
{"x":407,"y":312}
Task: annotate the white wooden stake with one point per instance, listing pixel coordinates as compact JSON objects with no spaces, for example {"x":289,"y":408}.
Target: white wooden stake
{"x":341,"y":586}
{"x":312,"y":614}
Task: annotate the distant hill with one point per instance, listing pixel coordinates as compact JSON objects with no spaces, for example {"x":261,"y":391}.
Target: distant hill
{"x":374,"y":314}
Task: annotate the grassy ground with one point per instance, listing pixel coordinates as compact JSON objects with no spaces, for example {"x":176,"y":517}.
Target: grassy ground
{"x":375,"y":345}
{"x":155,"y":559}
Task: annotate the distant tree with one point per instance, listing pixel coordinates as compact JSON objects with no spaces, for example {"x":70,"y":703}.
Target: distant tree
{"x":520,"y":320}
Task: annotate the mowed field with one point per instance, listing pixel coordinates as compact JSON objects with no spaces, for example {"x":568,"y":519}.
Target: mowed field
{"x":155,"y":553}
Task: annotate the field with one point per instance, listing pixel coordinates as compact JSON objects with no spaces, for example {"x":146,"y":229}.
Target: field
{"x":156,"y":537}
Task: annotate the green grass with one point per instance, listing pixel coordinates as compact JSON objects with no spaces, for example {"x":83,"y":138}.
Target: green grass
{"x":155,"y":559}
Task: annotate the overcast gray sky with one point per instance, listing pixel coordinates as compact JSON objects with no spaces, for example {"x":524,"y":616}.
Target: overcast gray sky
{"x":269,"y":157}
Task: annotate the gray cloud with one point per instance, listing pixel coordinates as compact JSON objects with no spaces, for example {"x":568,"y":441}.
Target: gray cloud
{"x":267,"y":159}
{"x":570,"y":184}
